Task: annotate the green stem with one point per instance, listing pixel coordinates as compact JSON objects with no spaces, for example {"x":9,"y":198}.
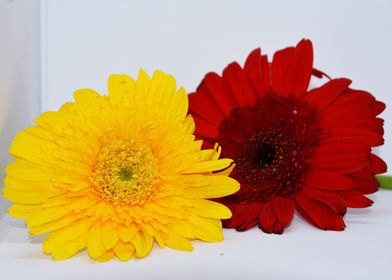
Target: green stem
{"x":385,"y":181}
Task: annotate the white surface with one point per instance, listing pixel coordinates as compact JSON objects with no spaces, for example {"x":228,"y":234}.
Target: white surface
{"x":362,"y":251}
{"x":85,"y":41}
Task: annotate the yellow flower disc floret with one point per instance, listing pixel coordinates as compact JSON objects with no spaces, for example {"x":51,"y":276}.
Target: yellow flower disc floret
{"x":126,"y":172}
{"x":116,"y":173}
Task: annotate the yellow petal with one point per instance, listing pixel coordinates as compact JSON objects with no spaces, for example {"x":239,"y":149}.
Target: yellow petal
{"x":158,"y":237}
{"x":77,"y":228}
{"x":143,"y":84}
{"x":65,"y":251}
{"x":54,"y":225}
{"x":25,"y":197}
{"x":118,"y":86}
{"x":53,"y":241}
{"x":185,"y":229}
{"x":40,"y":133}
{"x":227,"y":171}
{"x":22,"y":211}
{"x":162,"y":90}
{"x":178,"y":243}
{"x":211,"y":209}
{"x":208,"y":166}
{"x":219,"y":186}
{"x":85,"y":95}
{"x":180,"y":104}
{"x":206,"y":229}
{"x":189,"y":124}
{"x":61,"y":200}
{"x":29,"y":147}
{"x":124,"y":251}
{"x":143,"y":244}
{"x":109,"y":235}
{"x":94,"y":243}
{"x":127,"y":233}
{"x":217,"y":153}
{"x":28,"y":186}
{"x":60,"y":248}
{"x":46,"y":215}
{"x":24,"y":170}
{"x":83,"y":203}
{"x":210,"y":154}
{"x":50,"y":120}
{"x":108,"y":255}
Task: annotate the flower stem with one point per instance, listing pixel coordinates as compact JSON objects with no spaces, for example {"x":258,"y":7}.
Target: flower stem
{"x":385,"y":181}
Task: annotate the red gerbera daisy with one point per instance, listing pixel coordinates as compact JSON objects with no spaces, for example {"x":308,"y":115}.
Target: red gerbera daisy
{"x":295,"y":148}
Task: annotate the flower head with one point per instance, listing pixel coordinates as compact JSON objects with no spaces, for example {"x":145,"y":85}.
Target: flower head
{"x":294,"y":148}
{"x":117,"y":173}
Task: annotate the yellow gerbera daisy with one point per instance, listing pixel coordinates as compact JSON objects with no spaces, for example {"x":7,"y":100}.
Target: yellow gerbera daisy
{"x":116,"y":173}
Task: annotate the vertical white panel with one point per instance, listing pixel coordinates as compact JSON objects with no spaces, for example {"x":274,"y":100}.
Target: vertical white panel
{"x":19,"y":73}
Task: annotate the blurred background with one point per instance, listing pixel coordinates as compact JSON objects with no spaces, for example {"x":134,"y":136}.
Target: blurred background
{"x":49,"y":49}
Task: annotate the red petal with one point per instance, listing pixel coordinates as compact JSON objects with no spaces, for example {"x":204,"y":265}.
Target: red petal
{"x":328,"y":180}
{"x":278,"y":227}
{"x":244,"y":216}
{"x":331,"y":146}
{"x":319,"y":213}
{"x":257,"y":69}
{"x":281,"y":68}
{"x":267,"y":218}
{"x":323,"y":96}
{"x":237,"y":218}
{"x":377,"y":165}
{"x":218,"y":91}
{"x":304,"y":69}
{"x":353,"y":108}
{"x":377,"y":107}
{"x":343,"y":163}
{"x":292,"y":69}
{"x":205,"y":128}
{"x":233,"y":134}
{"x":342,"y":155}
{"x":268,"y":221}
{"x":239,"y":84}
{"x":364,"y":135}
{"x":365,"y":186}
{"x":364,"y":173}
{"x":320,"y":74}
{"x":284,"y":209}
{"x":203,"y":105}
{"x":355,"y":200}
{"x":372,"y":124}
{"x":247,"y":225}
{"x":330,"y":198}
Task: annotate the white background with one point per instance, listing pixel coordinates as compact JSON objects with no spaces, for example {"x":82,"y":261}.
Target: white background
{"x":48,"y":49}
{"x":19,"y":74}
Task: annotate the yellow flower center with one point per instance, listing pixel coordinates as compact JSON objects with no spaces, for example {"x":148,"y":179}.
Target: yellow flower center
{"x":125,"y":172}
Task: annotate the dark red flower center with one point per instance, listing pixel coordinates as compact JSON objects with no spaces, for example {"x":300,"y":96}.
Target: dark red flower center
{"x":265,"y":155}
{"x":271,"y":143}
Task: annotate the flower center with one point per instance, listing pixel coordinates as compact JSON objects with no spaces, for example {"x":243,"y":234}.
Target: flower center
{"x":271,"y":143}
{"x":265,"y":155}
{"x":125,"y":172}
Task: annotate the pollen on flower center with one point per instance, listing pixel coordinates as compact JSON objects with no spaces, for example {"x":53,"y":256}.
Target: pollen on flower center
{"x":125,"y":172}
